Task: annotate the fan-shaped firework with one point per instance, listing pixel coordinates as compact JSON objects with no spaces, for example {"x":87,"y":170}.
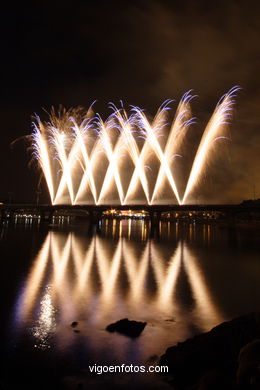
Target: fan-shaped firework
{"x":83,"y":157}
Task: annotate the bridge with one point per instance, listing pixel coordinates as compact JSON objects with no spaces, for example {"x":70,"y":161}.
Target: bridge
{"x":155,"y":212}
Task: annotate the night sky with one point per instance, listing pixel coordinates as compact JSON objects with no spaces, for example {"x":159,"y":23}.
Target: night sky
{"x":142,"y":52}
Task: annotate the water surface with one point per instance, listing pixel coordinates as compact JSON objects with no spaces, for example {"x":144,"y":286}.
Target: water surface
{"x":185,"y":280}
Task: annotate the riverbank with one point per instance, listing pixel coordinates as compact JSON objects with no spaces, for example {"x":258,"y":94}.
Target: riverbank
{"x":226,"y":357}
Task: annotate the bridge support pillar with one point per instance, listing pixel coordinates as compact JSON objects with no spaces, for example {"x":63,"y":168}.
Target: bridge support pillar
{"x":47,"y":215}
{"x":155,"y":217}
{"x":94,"y":218}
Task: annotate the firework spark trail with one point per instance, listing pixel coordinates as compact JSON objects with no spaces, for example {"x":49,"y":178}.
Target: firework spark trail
{"x":132,"y":148}
{"x":59,"y":129}
{"x":64,"y":129}
{"x":220,"y":117}
{"x":153,"y":140}
{"x":113,"y":163}
{"x":66,"y":139}
{"x":113,"y":157}
{"x":81,"y":134}
{"x":42,"y":154}
{"x":89,"y":162}
{"x":177,"y":133}
{"x":139,"y":167}
{"x":139,"y":171}
{"x":58,"y":140}
{"x":67,"y":165}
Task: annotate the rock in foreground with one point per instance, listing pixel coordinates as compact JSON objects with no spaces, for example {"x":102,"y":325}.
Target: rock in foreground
{"x":126,"y":327}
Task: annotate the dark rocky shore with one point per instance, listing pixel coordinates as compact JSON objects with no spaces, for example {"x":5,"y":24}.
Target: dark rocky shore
{"x":226,"y":357}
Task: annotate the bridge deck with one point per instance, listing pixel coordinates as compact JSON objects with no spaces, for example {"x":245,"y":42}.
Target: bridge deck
{"x":149,"y":208}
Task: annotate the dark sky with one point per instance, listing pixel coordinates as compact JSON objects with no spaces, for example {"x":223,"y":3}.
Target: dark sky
{"x":142,"y":52}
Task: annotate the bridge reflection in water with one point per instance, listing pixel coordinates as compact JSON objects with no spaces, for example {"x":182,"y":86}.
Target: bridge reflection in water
{"x":98,"y":280}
